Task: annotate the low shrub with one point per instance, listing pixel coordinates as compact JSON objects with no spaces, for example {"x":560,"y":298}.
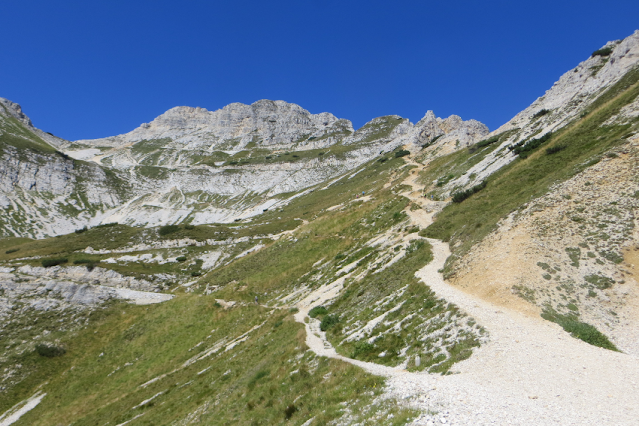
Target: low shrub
{"x":540,"y":113}
{"x":328,"y":321}
{"x":460,"y":196}
{"x":189,"y":227}
{"x":196,"y":274}
{"x":612,"y":256}
{"x":555,"y":149}
{"x":289,"y":411}
{"x":427,"y":144}
{"x":524,"y":148}
{"x":317,"y":310}
{"x":12,"y":250}
{"x":47,"y":263}
{"x":491,"y":140}
{"x":401,"y":153}
{"x":181,"y":258}
{"x":578,"y":329}
{"x":606,"y":51}
{"x":79,"y":231}
{"x":168,"y":229}
{"x":361,"y":348}
{"x":106,"y":225}
{"x":89,"y":263}
{"x":49,"y":351}
{"x":599,"y":281}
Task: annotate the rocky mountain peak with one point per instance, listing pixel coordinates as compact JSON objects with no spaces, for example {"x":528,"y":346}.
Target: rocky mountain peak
{"x":265,"y":123}
{"x":14,"y":110}
{"x":444,"y":130}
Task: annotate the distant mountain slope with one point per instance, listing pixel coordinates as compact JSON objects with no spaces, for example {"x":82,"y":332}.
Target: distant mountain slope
{"x":570,"y":98}
{"x":43,"y":191}
{"x":198,"y":166}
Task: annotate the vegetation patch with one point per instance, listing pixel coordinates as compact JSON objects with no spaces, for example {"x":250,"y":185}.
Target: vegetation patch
{"x":460,"y":196}
{"x":47,"y":263}
{"x":525,"y":148}
{"x":578,"y":329}
{"x":49,"y":350}
{"x":168,"y":229}
{"x":599,"y":281}
{"x":606,"y":51}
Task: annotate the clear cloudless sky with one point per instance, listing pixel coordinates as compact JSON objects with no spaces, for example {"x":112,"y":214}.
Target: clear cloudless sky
{"x":90,"y":69}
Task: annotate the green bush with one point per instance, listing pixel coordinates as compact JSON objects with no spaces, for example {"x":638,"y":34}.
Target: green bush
{"x":491,"y":140}
{"x":196,"y":274}
{"x":541,"y":113}
{"x":606,"y":51}
{"x":328,"y":321}
{"x":49,"y":351}
{"x":460,"y":196}
{"x":289,"y":411}
{"x":181,"y":258}
{"x":168,"y":229}
{"x":612,"y":256}
{"x":12,"y":250}
{"x":189,"y":227}
{"x":599,"y":281}
{"x":361,"y":348}
{"x":317,"y":310}
{"x":106,"y":225}
{"x":47,"y":263}
{"x":578,"y":329}
{"x":555,"y":149}
{"x":90,"y":264}
{"x":402,"y":153}
{"x":524,"y":148}
{"x":80,"y":231}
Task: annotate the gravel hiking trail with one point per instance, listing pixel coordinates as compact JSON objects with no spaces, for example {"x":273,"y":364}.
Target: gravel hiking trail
{"x":530,"y":372}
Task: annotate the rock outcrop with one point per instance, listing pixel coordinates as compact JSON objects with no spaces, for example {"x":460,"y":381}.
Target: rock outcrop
{"x":265,"y":123}
{"x":566,"y":101}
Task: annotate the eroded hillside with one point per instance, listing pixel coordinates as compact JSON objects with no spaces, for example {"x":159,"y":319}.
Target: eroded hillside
{"x":397,"y":274}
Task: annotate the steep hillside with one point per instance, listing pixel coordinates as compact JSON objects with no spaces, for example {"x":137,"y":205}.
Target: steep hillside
{"x":190,"y":165}
{"x":271,"y":266}
{"x":42,"y":190}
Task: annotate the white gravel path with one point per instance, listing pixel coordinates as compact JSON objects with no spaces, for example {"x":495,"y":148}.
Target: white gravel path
{"x":14,"y":413}
{"x":531,"y":372}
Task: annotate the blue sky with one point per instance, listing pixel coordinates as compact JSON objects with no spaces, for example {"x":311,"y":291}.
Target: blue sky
{"x":89,"y":69}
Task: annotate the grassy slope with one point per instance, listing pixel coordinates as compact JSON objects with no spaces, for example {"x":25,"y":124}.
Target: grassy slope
{"x":99,"y":380}
{"x":252,"y":383}
{"x":466,"y":223}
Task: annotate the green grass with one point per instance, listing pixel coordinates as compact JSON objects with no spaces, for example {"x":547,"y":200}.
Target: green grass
{"x":16,"y":135}
{"x":99,"y":377}
{"x":526,"y":179}
{"x":378,"y":128}
{"x":578,"y":329}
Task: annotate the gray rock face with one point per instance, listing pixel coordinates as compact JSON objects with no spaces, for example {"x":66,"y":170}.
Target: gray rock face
{"x":273,"y":124}
{"x":432,"y":129}
{"x":190,"y":164}
{"x":47,"y":194}
{"x":575,"y":91}
{"x":12,"y":109}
